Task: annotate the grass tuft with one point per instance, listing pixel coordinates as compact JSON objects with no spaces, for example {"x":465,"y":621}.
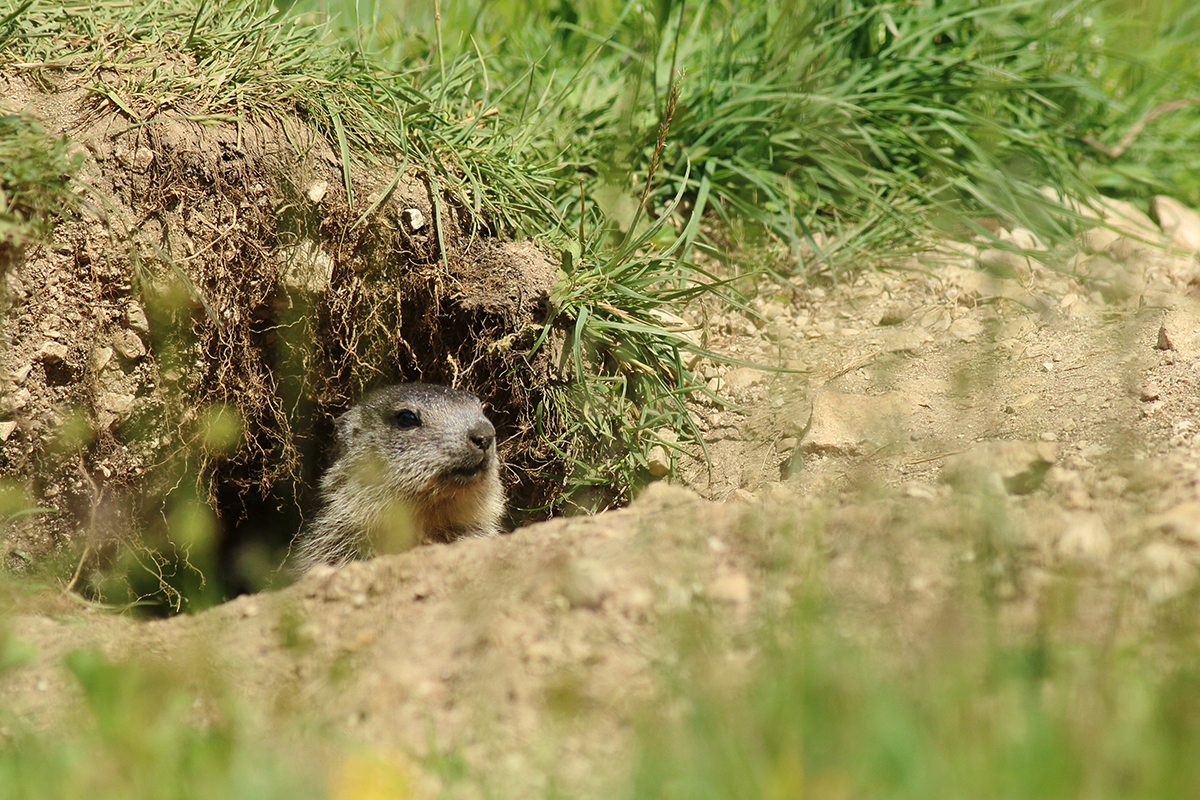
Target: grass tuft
{"x":231,"y":60}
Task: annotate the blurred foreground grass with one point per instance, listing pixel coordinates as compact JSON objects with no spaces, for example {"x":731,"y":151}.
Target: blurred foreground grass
{"x":979,"y":715}
{"x":962,"y":691}
{"x":140,"y":732}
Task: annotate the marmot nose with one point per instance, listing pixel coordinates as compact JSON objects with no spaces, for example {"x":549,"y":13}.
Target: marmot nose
{"x":482,"y":434}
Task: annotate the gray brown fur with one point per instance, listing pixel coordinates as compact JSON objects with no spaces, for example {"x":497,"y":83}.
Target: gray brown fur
{"x":395,"y":484}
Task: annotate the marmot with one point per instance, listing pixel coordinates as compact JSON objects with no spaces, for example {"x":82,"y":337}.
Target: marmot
{"x":413,"y":463}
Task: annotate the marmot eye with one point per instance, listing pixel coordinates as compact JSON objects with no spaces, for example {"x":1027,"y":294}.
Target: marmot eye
{"x":405,"y":418}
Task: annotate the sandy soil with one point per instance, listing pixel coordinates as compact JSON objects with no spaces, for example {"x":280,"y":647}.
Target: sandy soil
{"x":934,"y":415}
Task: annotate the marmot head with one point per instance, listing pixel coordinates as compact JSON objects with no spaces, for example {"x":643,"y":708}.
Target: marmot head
{"x":424,"y":439}
{"x":413,"y":463}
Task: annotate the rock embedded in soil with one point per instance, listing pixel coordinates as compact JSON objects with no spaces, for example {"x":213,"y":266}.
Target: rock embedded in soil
{"x":658,"y":459}
{"x":977,"y":285}
{"x":316,"y":190}
{"x":1116,"y":281}
{"x":15,"y":400}
{"x":1004,"y":264}
{"x":1023,"y":238}
{"x":116,"y":403}
{"x":740,"y":381}
{"x":1180,"y":332}
{"x":413,"y":219}
{"x":135,"y":319}
{"x":305,"y":267}
{"x":894,"y":314}
{"x":853,"y":424}
{"x":100,"y":358}
{"x":966,"y":329}
{"x":129,"y":345}
{"x":1128,"y":218}
{"x":52,"y":352}
{"x":1099,"y":240}
{"x":1124,"y":248}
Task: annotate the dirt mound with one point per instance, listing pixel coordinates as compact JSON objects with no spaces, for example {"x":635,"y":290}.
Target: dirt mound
{"x":186,"y":341}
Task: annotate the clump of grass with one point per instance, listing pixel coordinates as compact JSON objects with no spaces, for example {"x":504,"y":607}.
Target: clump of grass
{"x":862,"y":121}
{"x":626,"y":356}
{"x":231,"y":60}
{"x":625,"y":351}
{"x":35,"y":183}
